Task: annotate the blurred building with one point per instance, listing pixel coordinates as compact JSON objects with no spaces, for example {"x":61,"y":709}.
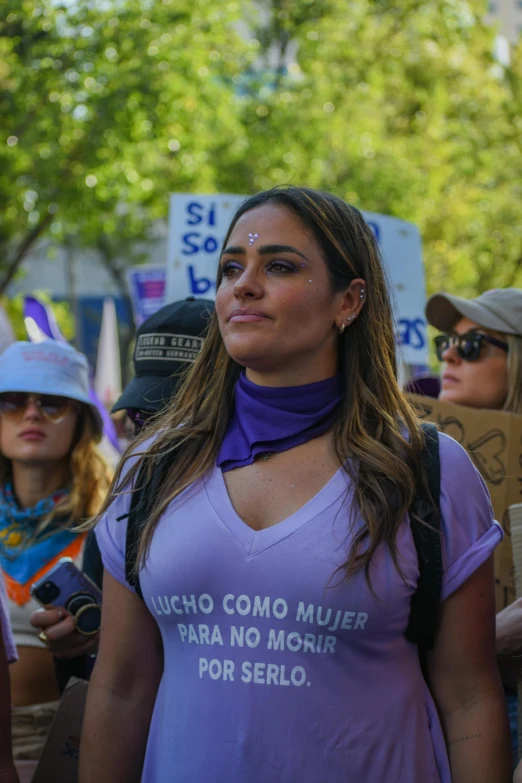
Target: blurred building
{"x":508,"y":15}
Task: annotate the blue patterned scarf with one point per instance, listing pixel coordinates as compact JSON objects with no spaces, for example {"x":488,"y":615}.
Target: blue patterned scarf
{"x":25,"y":553}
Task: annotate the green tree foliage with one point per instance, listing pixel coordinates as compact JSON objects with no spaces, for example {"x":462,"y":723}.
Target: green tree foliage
{"x":105,"y":106}
{"x":399,"y":107}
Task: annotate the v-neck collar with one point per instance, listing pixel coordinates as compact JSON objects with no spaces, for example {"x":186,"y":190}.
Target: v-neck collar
{"x":253,"y":542}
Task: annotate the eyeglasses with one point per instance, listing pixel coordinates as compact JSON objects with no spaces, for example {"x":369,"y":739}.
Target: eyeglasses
{"x":13,"y":405}
{"x":469,"y":345}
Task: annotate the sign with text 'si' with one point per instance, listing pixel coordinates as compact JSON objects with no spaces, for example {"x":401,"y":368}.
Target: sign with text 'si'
{"x":198,"y":225}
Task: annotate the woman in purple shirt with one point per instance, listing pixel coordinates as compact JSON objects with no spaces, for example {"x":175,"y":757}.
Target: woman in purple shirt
{"x":277,"y":565}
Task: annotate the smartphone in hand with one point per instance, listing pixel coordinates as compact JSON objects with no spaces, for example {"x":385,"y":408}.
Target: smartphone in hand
{"x":67,"y":586}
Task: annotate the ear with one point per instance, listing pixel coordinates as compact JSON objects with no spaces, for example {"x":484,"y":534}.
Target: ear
{"x":353,"y":300}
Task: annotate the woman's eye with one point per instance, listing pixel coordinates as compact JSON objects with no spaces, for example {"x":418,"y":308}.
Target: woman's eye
{"x":230,"y":268}
{"x":281,"y":266}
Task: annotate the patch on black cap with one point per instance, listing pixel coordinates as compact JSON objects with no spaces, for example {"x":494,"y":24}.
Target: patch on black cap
{"x":167,"y":347}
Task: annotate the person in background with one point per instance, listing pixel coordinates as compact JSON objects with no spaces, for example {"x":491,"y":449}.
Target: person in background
{"x":481,"y":353}
{"x":8,"y":654}
{"x":52,"y":478}
{"x":167,"y":344}
{"x":277,"y":563}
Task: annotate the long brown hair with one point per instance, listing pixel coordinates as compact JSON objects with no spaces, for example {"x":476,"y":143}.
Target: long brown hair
{"x":513,"y":402}
{"x":90,"y":478}
{"x":375,"y":425}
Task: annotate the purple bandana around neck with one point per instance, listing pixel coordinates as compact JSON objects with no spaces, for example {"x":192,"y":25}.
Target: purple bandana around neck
{"x":275,"y":419}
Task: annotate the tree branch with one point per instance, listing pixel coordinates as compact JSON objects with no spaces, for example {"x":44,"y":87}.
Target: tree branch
{"x":23,"y":248}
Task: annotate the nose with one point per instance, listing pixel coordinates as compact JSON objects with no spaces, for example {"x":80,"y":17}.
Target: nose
{"x":248,"y":285}
{"x":451,"y":356}
{"x":32,"y":411}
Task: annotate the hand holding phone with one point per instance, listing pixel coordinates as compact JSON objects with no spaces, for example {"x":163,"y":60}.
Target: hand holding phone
{"x":66,"y":586}
{"x":57,"y":629}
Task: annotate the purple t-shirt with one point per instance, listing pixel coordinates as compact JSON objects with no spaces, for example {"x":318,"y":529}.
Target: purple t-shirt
{"x":5,"y":625}
{"x":274,"y":670}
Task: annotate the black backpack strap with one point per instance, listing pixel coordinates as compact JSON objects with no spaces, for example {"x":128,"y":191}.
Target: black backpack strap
{"x":423,"y":621}
{"x":140,"y":506}
{"x":132,"y":539}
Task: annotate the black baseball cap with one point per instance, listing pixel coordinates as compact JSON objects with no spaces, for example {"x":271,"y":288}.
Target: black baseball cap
{"x":167,"y":343}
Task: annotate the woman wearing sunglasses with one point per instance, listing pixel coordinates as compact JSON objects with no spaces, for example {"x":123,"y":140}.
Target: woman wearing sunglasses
{"x":481,"y":351}
{"x":481,"y":348}
{"x":51,"y":479}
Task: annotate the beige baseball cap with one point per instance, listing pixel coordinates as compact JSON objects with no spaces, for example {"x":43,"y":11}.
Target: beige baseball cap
{"x":499,"y":309}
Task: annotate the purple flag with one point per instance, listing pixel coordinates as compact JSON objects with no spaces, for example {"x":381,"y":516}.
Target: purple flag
{"x":40,"y":322}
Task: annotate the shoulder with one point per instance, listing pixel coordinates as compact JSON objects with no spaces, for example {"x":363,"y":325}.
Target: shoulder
{"x":469,"y":532}
{"x":111,"y":528}
{"x":460,"y":481}
{"x":452,"y":454}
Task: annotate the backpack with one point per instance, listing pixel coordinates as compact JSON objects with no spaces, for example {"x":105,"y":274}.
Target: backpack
{"x":422,"y":625}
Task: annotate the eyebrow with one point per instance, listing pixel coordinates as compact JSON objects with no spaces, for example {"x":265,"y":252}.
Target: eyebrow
{"x":265,"y":250}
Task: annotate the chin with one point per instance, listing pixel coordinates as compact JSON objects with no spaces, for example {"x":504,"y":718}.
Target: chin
{"x":451,"y":395}
{"x":249,"y":353}
{"x":461,"y":399}
{"x":36,"y":452}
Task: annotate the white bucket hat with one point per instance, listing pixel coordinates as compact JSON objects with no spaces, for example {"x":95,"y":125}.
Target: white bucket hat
{"x":48,"y":367}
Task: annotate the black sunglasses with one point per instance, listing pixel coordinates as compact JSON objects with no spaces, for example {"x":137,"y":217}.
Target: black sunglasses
{"x":469,"y":345}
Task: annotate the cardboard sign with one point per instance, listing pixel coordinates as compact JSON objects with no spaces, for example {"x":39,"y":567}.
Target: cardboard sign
{"x":493,"y":440}
{"x":59,"y":760}
{"x":198,"y":225}
{"x":197,"y":228}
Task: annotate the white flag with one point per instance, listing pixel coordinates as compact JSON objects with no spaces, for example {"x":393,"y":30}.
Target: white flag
{"x":107,"y":381}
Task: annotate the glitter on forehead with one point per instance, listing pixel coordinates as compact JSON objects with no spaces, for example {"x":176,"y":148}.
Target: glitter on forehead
{"x":252,"y":238}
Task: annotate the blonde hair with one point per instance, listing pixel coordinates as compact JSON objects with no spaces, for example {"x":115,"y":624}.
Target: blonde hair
{"x":375,"y":424}
{"x":90,"y":478}
{"x":513,"y":402}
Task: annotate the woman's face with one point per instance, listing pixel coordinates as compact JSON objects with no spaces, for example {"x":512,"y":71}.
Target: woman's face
{"x":277,"y":313}
{"x":32,"y":439}
{"x":479,"y":384}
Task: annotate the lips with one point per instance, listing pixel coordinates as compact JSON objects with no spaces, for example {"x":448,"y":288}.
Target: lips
{"x":247,"y":315}
{"x":449,"y":379}
{"x":32,"y":435}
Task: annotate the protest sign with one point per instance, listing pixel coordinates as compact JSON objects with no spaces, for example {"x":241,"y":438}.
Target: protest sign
{"x":197,"y":228}
{"x":493,"y":440}
{"x":147,"y":290}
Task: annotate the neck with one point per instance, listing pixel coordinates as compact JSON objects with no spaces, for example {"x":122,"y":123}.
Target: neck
{"x":32,"y":483}
{"x":291,"y":376}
